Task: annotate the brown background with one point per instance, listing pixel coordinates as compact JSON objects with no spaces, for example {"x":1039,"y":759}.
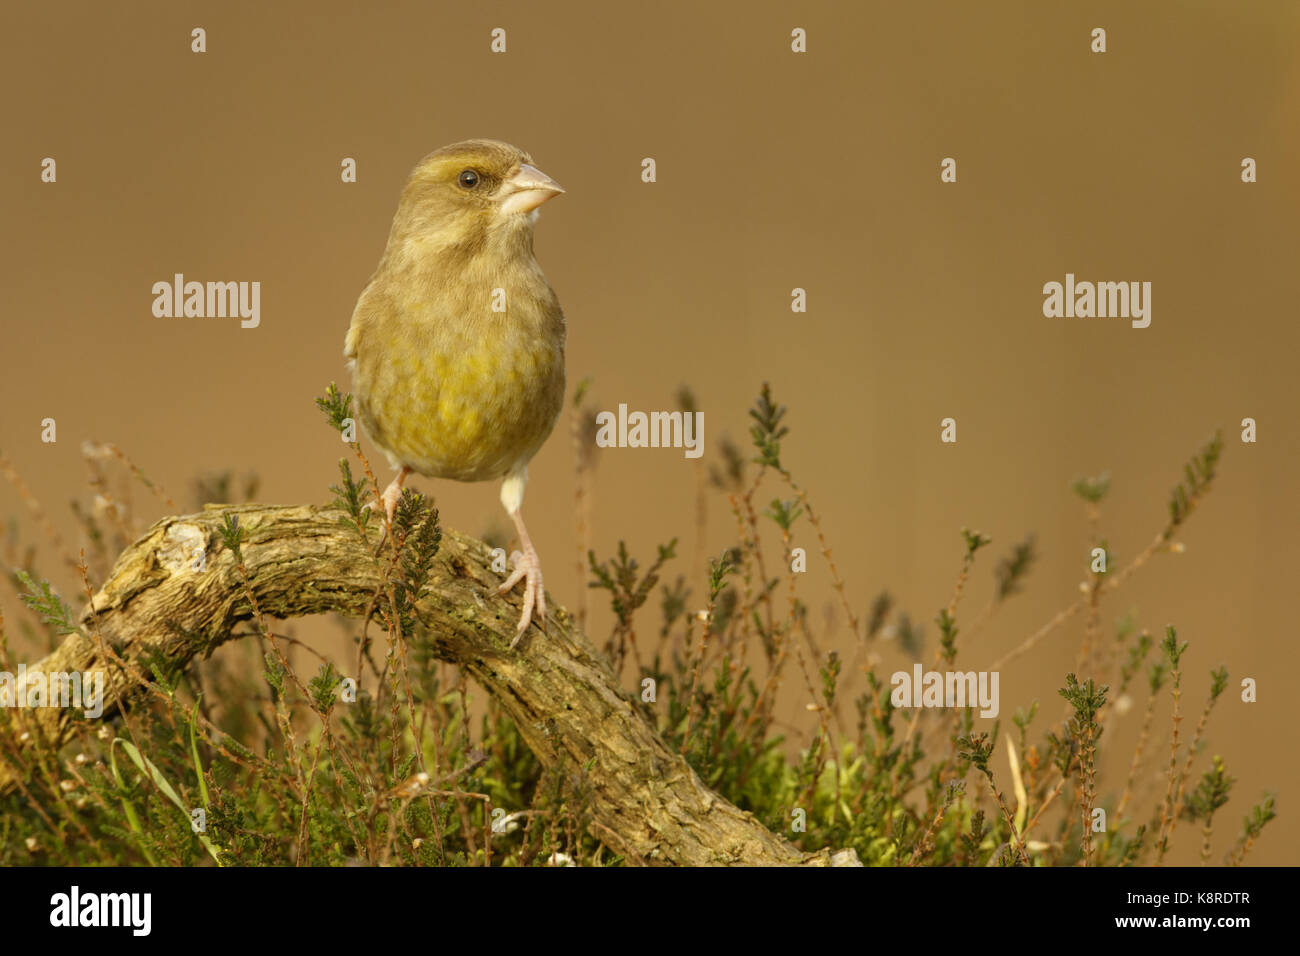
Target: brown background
{"x":775,"y":171}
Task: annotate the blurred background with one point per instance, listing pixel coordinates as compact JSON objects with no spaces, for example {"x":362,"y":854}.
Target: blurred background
{"x":775,"y":171}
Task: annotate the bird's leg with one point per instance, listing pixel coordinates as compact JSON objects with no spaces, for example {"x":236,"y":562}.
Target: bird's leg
{"x":528,"y":567}
{"x":392,"y":494}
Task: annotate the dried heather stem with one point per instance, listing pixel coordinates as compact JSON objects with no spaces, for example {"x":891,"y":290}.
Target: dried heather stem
{"x":1143,"y":735}
{"x":1167,"y":808}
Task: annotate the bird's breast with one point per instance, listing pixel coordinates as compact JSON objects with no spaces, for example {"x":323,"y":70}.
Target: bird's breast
{"x":455,"y":389}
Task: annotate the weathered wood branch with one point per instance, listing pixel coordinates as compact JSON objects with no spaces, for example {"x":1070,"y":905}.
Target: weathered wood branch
{"x":557,"y":688}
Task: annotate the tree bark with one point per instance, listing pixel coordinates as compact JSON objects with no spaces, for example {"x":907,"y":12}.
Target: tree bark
{"x":555,"y":685}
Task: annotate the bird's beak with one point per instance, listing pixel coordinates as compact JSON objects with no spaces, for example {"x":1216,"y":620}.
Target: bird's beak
{"x":527,"y":189}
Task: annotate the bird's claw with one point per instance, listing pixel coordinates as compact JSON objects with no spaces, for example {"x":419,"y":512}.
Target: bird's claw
{"x":388,"y":500}
{"x":528,"y":568}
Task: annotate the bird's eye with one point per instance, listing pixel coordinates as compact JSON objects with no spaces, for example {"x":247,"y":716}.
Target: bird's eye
{"x":468,"y":178}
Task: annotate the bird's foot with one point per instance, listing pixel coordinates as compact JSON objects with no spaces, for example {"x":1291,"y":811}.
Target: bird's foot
{"x":391,"y":496}
{"x":528,"y":568}
{"x":388,"y":499}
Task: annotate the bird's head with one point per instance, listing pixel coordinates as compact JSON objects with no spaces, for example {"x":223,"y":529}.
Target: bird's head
{"x":467,"y":193}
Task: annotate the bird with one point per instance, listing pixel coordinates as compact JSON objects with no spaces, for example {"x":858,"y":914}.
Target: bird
{"x":456,"y":344}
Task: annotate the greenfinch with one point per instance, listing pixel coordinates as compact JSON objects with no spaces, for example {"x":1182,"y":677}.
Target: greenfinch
{"x":457,"y":343}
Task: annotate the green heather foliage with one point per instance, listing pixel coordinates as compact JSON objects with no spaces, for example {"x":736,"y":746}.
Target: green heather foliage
{"x":292,"y":763}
